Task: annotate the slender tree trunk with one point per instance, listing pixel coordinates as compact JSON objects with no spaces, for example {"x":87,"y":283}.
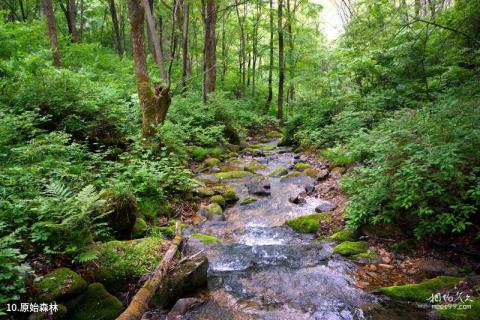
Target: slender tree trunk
{"x":224,"y":52}
{"x":52,"y":32}
{"x":153,"y":105}
{"x":281,"y":62}
{"x":72,"y":16}
{"x":116,"y":29}
{"x":156,"y":43}
{"x":255,"y":45}
{"x":270,"y":69}
{"x":209,"y":13}
{"x":291,"y":61}
{"x":82,"y":22}
{"x":185,"y":45}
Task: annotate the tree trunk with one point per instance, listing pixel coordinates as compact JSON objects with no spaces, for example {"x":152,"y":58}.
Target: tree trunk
{"x":270,"y":69}
{"x":281,"y":62}
{"x":154,"y":106}
{"x":155,"y":40}
{"x":209,"y":13}
{"x":52,"y":32}
{"x":291,"y":59}
{"x":116,"y":29}
{"x":82,"y":22}
{"x":185,"y":45}
{"x":139,"y":304}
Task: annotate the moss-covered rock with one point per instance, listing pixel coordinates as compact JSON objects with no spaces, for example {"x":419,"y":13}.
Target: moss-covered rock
{"x":456,"y":313}
{"x":139,"y":228}
{"x":204,"y":192}
{"x":290,"y":175}
{"x":214,"y":208}
{"x":230,"y":167}
{"x":278,"y":172}
{"x":218,"y":199}
{"x":404,"y":246}
{"x":419,"y":292}
{"x":302,"y":165}
{"x":206,"y":238}
{"x":211,"y":162}
{"x":343,"y":235}
{"x":274,"y":135}
{"x":350,"y":248}
{"x":247,"y":200}
{"x":60,"y":284}
{"x":230,"y":196}
{"x":232,"y":175}
{"x":309,"y":223}
{"x":369,"y":255}
{"x":60,"y":314}
{"x":96,"y":303}
{"x":122,"y":262}
{"x":124,"y":211}
{"x":254,"y":166}
{"x":311,"y":172}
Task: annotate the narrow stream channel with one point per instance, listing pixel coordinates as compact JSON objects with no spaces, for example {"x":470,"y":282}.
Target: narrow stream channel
{"x":264,"y":270}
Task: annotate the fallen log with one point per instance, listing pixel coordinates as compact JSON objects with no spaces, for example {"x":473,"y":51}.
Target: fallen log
{"x":139,"y":304}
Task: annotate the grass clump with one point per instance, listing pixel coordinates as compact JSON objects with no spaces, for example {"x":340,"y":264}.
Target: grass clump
{"x":200,"y":153}
{"x":350,"y":248}
{"x":419,"y":292}
{"x":206,"y":238}
{"x":232,"y":175}
{"x":308,"y":223}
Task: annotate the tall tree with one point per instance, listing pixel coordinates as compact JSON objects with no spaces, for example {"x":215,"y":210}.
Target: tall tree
{"x":270,"y":69}
{"x":281,"y":62}
{"x":153,"y":105}
{"x":52,"y":32}
{"x":116,"y":29}
{"x":70,"y":11}
{"x":209,"y":15}
{"x":156,"y":43}
{"x":242,"y":51}
{"x":186,"y":7}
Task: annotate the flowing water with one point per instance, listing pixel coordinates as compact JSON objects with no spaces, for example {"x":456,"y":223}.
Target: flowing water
{"x":264,"y":270}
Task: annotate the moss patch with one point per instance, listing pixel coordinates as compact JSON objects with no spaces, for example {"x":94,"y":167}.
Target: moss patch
{"x":342,"y":235}
{"x":370,"y":254}
{"x":350,"y":248}
{"x":204,"y":192}
{"x":218,"y":199}
{"x":274,"y":134}
{"x":278,"y":172}
{"x":308,"y":223}
{"x":462,"y":314}
{"x":206,"y":238}
{"x":61,"y":283}
{"x":419,"y":292}
{"x":139,"y":228}
{"x":247,"y":200}
{"x":232,"y":175}
{"x":254,"y":166}
{"x":404,"y":246}
{"x":214,"y":208}
{"x":311,"y":172}
{"x":302,"y":165}
{"x":290,"y":175}
{"x":211,"y":162}
{"x":96,"y":303}
{"x":121,"y":262}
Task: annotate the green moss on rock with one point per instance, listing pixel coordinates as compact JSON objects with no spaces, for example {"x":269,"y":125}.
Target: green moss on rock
{"x":96,"y":303}
{"x":211,"y":162}
{"x":343,"y":235}
{"x":139,"y":228}
{"x":60,"y":314}
{"x":278,"y":172}
{"x":462,"y":314}
{"x":274,"y":134}
{"x":254,"y":166}
{"x":370,"y":254}
{"x":232,"y":175}
{"x":308,"y":223}
{"x":218,"y":199}
{"x":419,"y":292}
{"x":302,"y":165}
{"x":311,"y":172}
{"x":206,"y":238}
{"x":123,"y":262}
{"x":290,"y":175}
{"x":230,"y":196}
{"x":350,"y":248}
{"x":247,"y":200}
{"x":214,"y":208}
{"x":60,"y":284}
{"x":204,"y":192}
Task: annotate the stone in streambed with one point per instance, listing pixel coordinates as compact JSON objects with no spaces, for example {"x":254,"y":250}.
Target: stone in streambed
{"x":309,"y":223}
{"x":325,"y":206}
{"x":309,"y":189}
{"x":312,"y":173}
{"x":182,"y":306}
{"x":278,"y":172}
{"x":297,"y":200}
{"x":322,"y":174}
{"x":184,"y":279}
{"x":258,"y":186}
{"x":254,"y":166}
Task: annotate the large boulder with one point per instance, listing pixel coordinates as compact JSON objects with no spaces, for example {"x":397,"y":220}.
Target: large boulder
{"x":61,"y":284}
{"x":94,"y":304}
{"x":185,"y":279}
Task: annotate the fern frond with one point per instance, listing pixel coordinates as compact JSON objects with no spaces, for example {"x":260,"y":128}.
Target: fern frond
{"x":58,"y":190}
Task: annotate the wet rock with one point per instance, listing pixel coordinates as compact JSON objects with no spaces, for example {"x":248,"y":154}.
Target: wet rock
{"x":182,"y":306}
{"x":309,"y":189}
{"x":95,"y":303}
{"x":322,"y":174}
{"x":61,"y":284}
{"x":325,"y":206}
{"x":259,"y":187}
{"x":185,"y":279}
{"x":278,"y":172}
{"x":297,"y":200}
{"x":433,"y":268}
{"x":296,"y":157}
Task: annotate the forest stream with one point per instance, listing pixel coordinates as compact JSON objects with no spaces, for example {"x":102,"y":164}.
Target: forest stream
{"x":262,"y":269}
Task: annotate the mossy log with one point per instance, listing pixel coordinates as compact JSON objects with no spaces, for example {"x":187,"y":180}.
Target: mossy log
{"x":139,"y":304}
